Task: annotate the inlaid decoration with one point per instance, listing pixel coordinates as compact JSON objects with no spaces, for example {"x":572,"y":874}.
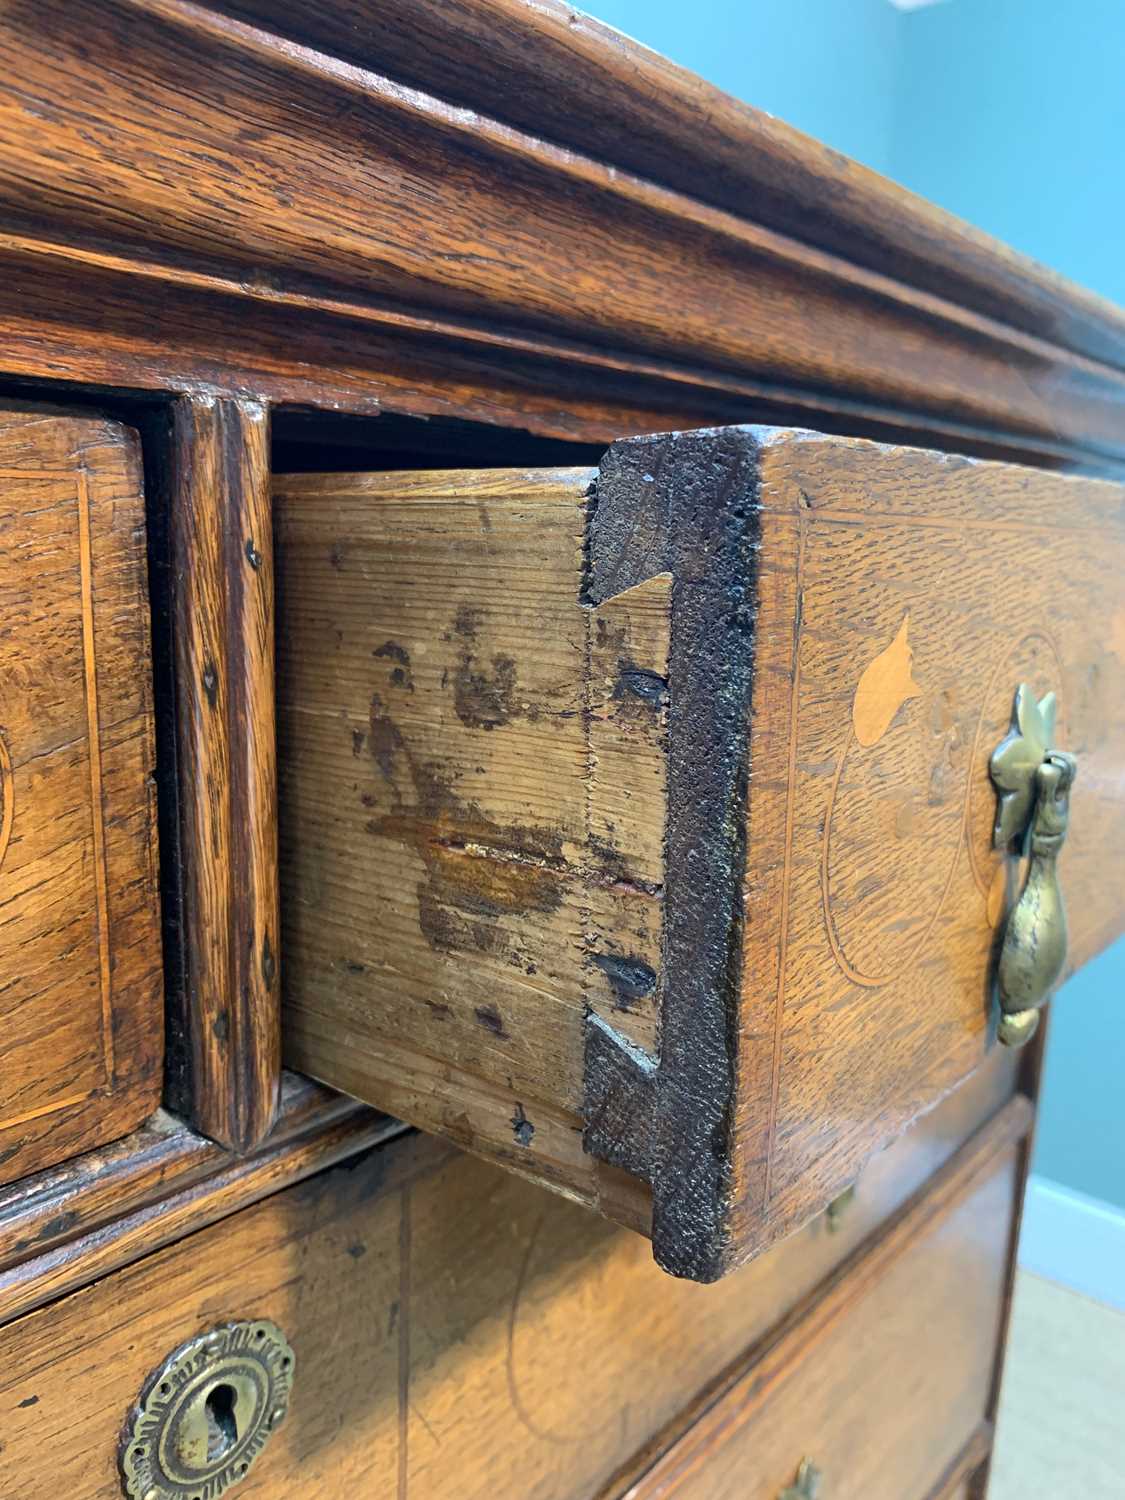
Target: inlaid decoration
{"x":7,"y":798}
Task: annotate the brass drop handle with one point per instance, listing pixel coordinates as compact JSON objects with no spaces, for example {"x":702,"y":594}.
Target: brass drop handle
{"x":807,"y":1486}
{"x":1034,"y":782}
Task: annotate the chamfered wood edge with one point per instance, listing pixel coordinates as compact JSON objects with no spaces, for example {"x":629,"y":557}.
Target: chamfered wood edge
{"x":67,"y":1227}
{"x":222,"y":590}
{"x":747,"y":1385}
{"x":618,"y":1099}
{"x":967,"y":1466}
{"x":550,"y":69}
{"x":686,"y":504}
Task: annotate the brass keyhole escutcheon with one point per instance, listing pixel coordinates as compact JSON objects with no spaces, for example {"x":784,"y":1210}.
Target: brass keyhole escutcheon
{"x":206,"y":1414}
{"x":1033,"y":782}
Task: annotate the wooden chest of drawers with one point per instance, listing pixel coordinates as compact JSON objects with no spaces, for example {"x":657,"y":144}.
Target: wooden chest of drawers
{"x":620,"y":807}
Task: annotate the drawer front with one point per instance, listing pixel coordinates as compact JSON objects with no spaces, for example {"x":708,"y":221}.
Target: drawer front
{"x":81,"y":1014}
{"x":879,"y":1390}
{"x":637,"y":824}
{"x":457,"y":1332}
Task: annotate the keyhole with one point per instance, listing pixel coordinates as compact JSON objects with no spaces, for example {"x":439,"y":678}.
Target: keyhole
{"x":222,"y":1429}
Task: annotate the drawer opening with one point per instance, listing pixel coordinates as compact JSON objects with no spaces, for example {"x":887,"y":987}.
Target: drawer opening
{"x":315,"y":442}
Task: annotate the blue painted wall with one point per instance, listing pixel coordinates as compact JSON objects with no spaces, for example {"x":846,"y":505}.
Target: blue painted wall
{"x":829,"y":67}
{"x":1010,"y":113}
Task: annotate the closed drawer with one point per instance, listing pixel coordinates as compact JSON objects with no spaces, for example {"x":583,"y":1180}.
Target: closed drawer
{"x":81,"y":1010}
{"x":637,"y":824}
{"x":879,"y":1391}
{"x":458,"y":1334}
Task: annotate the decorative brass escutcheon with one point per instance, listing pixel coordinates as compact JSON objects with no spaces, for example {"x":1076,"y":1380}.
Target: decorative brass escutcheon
{"x":807,"y":1486}
{"x":1033,"y":781}
{"x":207,"y":1412}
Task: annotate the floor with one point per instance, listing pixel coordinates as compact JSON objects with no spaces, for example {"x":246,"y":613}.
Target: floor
{"x":1061,"y":1429}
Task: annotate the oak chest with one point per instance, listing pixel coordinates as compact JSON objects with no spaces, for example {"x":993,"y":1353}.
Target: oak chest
{"x":562,"y":685}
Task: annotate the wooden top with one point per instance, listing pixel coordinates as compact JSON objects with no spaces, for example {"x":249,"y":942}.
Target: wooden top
{"x":551,"y":70}
{"x":504,"y":212}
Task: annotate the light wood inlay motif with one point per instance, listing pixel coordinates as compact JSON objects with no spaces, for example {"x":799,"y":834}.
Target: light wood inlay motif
{"x":7,"y":799}
{"x":75,"y":505}
{"x":884,"y":687}
{"x":97,"y":799}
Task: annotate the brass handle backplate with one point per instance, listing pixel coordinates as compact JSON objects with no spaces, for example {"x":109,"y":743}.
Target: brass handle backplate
{"x":1033,"y":781}
{"x":206,"y":1413}
{"x":807,"y":1486}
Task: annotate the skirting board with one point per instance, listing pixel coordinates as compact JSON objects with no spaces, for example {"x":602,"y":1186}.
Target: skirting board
{"x":1074,"y":1240}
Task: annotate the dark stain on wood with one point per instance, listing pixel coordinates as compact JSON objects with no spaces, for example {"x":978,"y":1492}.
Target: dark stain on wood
{"x":400,"y":673}
{"x":474,"y":865}
{"x":211,"y":684}
{"x":482,"y":699}
{"x":475,"y":876}
{"x":384,"y":739}
{"x":448,"y":932}
{"x":269,"y":962}
{"x":630,"y":978}
{"x":491,"y":1019}
{"x":522,"y":1128}
{"x":635,"y":682}
{"x":485,"y":700}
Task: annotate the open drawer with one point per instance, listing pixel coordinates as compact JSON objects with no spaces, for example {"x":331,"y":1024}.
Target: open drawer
{"x":637,"y":824}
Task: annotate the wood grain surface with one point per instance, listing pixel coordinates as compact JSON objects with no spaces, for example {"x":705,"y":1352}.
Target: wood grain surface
{"x":460,"y":1334}
{"x":912,"y":1327}
{"x":63,"y":1228}
{"x":81,"y":1016}
{"x":872,"y":918}
{"x":551,"y":753}
{"x":471,"y":805}
{"x":256,"y":212}
{"x":551,"y":70}
{"x":223,"y":635}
